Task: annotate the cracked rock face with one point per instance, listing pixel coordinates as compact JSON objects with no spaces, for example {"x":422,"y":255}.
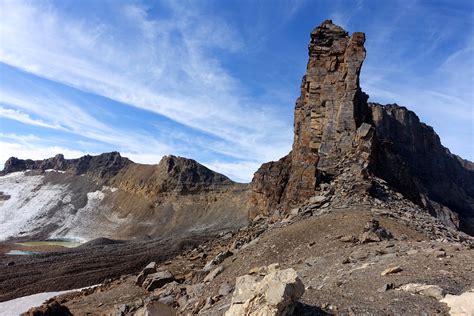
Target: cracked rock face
{"x":328,"y":113}
{"x":341,"y":138}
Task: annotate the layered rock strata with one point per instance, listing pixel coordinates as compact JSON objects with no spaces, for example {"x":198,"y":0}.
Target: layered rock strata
{"x":342,"y":139}
{"x":328,"y":113}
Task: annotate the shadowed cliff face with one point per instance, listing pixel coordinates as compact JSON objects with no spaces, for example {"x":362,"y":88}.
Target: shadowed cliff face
{"x":410,"y":157}
{"x":337,"y":134}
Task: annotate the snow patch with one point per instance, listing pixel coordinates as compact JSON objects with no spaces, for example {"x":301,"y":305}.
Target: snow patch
{"x":30,"y":198}
{"x":22,"y":304}
{"x":35,"y":203}
{"x":54,"y":170}
{"x":94,"y":197}
{"x":107,"y":188}
{"x":85,"y":221}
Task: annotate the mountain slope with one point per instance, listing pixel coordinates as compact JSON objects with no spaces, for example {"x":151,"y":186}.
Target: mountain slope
{"x":110,"y":196}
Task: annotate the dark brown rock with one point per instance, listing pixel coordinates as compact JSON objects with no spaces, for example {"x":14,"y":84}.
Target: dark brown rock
{"x":103,"y":165}
{"x":157,"y":280}
{"x":411,"y":158}
{"x":269,"y":185}
{"x":328,"y":113}
{"x":373,"y":232}
{"x":50,"y":309}
{"x":149,"y":269}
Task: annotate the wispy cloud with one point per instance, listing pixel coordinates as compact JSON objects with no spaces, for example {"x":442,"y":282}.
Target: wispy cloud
{"x":166,"y":67}
{"x":77,"y":121}
{"x":237,"y":170}
{"x":152,"y":72}
{"x":25,"y":118}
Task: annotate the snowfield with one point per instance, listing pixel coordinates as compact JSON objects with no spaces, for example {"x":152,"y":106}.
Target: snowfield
{"x":29,"y":204}
{"x":29,"y":199}
{"x":81,"y":225}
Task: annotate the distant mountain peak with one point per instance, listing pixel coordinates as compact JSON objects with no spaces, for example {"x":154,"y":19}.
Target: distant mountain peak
{"x":103,"y":165}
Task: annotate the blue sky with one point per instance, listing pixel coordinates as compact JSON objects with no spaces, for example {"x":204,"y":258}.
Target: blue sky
{"x":214,"y":80}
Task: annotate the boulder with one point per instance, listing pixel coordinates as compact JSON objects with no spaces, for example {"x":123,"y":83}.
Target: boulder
{"x":275,"y":294}
{"x":149,"y":269}
{"x":460,"y":305}
{"x":157,"y":280}
{"x":217,"y":260}
{"x":373,"y":232}
{"x":391,"y":270}
{"x":433,"y":291}
{"x":212,"y":275}
{"x":52,"y":308}
{"x":155,"y":309}
{"x":225,"y":289}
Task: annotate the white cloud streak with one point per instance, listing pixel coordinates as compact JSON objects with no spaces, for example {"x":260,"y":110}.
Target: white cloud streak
{"x":25,"y":118}
{"x":166,"y":67}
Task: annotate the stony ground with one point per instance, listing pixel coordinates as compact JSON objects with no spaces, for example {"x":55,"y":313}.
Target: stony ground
{"x":341,"y":275}
{"x":84,"y":266}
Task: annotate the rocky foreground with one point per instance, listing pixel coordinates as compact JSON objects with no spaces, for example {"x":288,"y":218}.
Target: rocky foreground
{"x":368,"y":213}
{"x":377,"y":257}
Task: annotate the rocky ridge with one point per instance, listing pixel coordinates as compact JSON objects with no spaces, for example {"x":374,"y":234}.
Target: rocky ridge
{"x":330,"y":248}
{"x":340,"y":137}
{"x":102,"y":166}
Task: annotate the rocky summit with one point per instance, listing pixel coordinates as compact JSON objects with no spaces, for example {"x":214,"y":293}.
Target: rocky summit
{"x":339,"y":135}
{"x":368,"y":214}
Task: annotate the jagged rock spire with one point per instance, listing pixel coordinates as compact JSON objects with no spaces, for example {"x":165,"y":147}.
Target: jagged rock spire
{"x":342,"y":140}
{"x":327,"y":114}
{"x":331,"y":105}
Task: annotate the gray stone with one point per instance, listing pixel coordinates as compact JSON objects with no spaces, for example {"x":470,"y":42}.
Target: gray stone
{"x":149,"y":269}
{"x":391,"y":270}
{"x":275,"y":294}
{"x":225,"y":289}
{"x":424,"y":289}
{"x":212,"y":275}
{"x":158,"y":280}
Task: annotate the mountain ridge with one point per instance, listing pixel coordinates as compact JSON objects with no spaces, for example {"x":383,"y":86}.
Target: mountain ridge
{"x":337,"y":132}
{"x":110,"y":196}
